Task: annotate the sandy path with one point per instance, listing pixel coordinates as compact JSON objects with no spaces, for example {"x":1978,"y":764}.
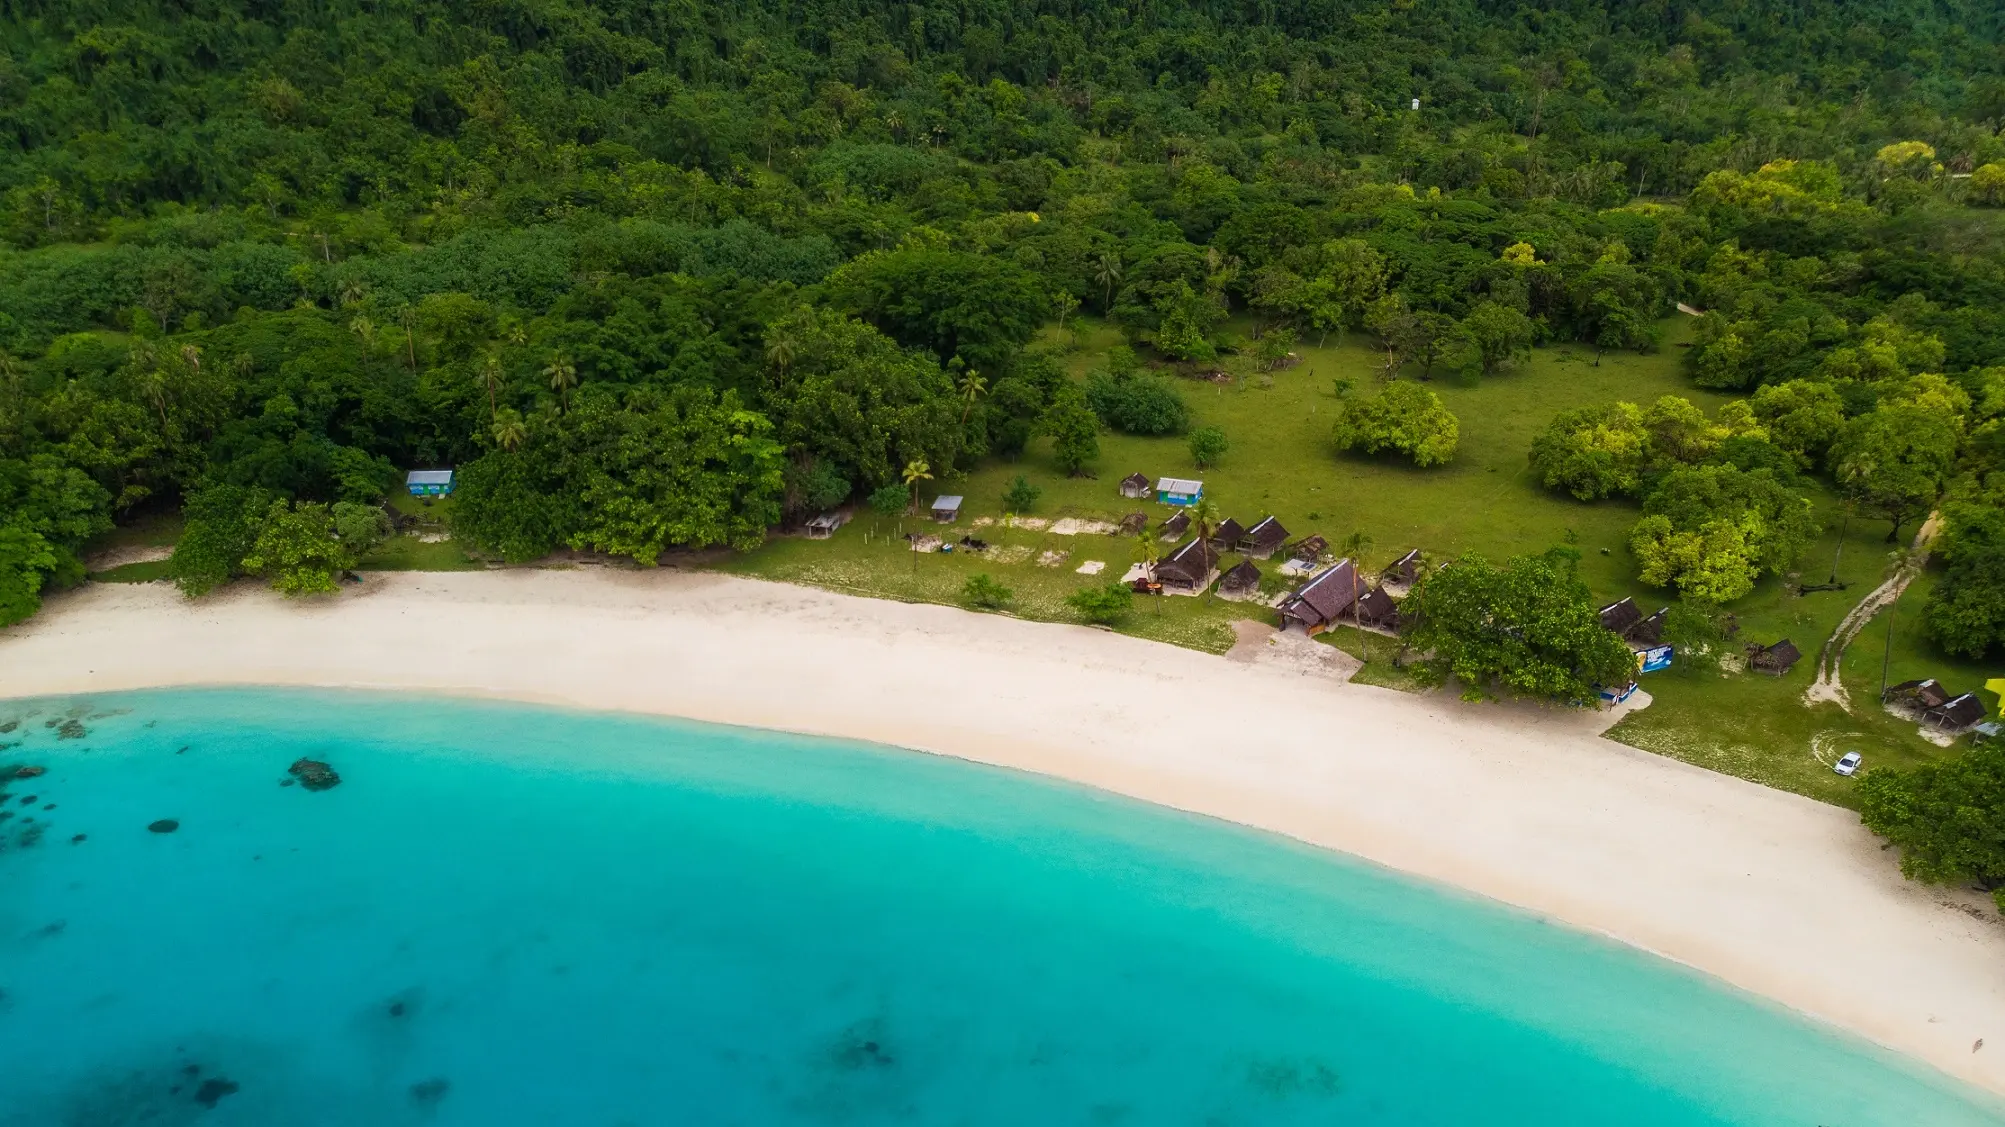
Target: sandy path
{"x":1778,"y":894}
{"x":1829,"y":684}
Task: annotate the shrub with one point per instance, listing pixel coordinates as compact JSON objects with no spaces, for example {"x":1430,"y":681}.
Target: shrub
{"x":1207,"y":445}
{"x":983,"y":591}
{"x":1020,"y":495}
{"x":1104,"y":605}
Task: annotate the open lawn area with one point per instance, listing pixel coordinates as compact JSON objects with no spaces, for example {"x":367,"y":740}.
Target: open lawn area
{"x":1281,"y":462}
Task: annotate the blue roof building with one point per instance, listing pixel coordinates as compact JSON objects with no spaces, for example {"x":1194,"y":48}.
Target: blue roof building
{"x":1179,"y":491}
{"x":429,"y":483}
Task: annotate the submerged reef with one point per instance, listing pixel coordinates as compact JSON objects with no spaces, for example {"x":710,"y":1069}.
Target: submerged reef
{"x":314,"y":774}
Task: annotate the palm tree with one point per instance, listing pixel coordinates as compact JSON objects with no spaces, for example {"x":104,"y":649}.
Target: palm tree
{"x":781,"y":352}
{"x":365,"y":331}
{"x":563,"y":377}
{"x":1355,"y":546}
{"x":916,"y":471}
{"x":973,"y":387}
{"x":1204,"y":516}
{"x":490,"y":375}
{"x":1152,"y":554}
{"x":509,"y":432}
{"x":407,"y":316}
{"x":1107,"y":272}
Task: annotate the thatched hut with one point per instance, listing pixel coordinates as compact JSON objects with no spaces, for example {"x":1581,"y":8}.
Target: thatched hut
{"x":1264,"y":538}
{"x":1242,"y":579}
{"x":1774,"y":660}
{"x":1189,"y":567}
{"x":1317,"y":603}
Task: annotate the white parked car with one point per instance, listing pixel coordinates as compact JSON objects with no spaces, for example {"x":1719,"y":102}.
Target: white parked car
{"x":1849,"y":764}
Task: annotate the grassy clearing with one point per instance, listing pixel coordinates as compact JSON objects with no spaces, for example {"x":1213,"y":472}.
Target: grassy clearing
{"x":1281,"y":462}
{"x":408,"y":553}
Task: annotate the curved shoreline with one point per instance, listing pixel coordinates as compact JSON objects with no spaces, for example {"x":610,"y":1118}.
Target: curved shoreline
{"x":1774,"y":893}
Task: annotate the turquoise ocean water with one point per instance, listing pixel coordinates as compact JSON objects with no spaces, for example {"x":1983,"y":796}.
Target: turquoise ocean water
{"x":514,"y":915}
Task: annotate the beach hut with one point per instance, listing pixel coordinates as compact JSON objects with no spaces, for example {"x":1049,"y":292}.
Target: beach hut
{"x":1621,"y":616}
{"x":1179,"y":491}
{"x":1955,"y":714}
{"x":1317,"y":603}
{"x":429,"y":483}
{"x":946,"y":509}
{"x":1404,"y":571}
{"x":1240,"y":580}
{"x":1376,"y":608}
{"x":824,"y":526}
{"x":1175,"y":527}
{"x":1776,"y":659}
{"x":1133,"y":524}
{"x":1227,"y":534}
{"x":1135,"y":486}
{"x":1309,"y":547}
{"x":1264,"y":538}
{"x":1648,"y":632}
{"x":1189,"y":567}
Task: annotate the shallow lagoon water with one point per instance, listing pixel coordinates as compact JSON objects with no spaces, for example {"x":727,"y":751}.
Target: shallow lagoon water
{"x":507,"y":914}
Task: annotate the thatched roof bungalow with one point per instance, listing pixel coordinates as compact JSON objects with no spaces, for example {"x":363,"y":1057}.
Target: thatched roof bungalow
{"x":1189,"y":567}
{"x":1405,"y":569}
{"x":1264,"y":538}
{"x":1776,"y":659}
{"x":1317,"y":603}
{"x":1135,"y":486}
{"x":1227,"y":534}
{"x":1240,"y":580}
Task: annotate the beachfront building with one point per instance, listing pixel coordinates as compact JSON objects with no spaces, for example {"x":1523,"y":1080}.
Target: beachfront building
{"x":1243,"y":579}
{"x":947,"y":509}
{"x":1133,"y":524}
{"x":1627,"y":620}
{"x":1376,"y":608}
{"x":1618,"y":617}
{"x":1135,"y":486}
{"x":1175,"y":527}
{"x":1264,"y":538}
{"x":1179,"y":491}
{"x":1188,"y":568}
{"x":429,"y":483}
{"x":1316,"y":604}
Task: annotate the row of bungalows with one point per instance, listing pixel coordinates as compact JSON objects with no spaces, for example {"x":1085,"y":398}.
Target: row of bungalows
{"x":1932,"y":705}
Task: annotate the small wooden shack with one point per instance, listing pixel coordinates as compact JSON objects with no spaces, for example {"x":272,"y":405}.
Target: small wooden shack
{"x":1264,"y":538}
{"x":824,"y":526}
{"x":1226,"y":536}
{"x":1308,"y":547}
{"x":1915,"y":697}
{"x":1189,"y":567}
{"x":1317,"y":603}
{"x":1135,"y":486}
{"x":1134,"y":523}
{"x":1376,"y":608}
{"x":947,"y":509}
{"x":1240,"y":580}
{"x":1405,"y":570}
{"x":1955,"y":714}
{"x":1175,"y":527}
{"x":1774,"y":660}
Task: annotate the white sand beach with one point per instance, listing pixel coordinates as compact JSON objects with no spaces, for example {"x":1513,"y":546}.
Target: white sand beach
{"x":1778,"y":894}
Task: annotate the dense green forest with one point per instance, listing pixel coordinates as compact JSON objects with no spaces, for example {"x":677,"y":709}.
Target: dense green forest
{"x":662,"y":274}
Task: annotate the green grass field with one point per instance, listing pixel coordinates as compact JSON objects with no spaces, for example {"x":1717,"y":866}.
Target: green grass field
{"x":1282,"y":462}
